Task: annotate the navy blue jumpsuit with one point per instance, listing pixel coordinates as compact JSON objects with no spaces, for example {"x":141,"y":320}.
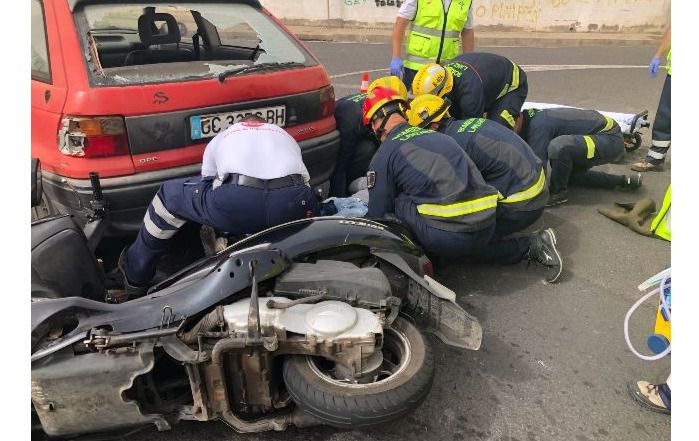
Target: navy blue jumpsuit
{"x":427,"y":181}
{"x":574,"y":140}
{"x":357,"y":144}
{"x":487,"y":83}
{"x":508,"y":164}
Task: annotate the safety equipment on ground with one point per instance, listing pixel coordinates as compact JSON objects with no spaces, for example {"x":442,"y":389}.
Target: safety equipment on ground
{"x":668,"y":65}
{"x":663,"y":318}
{"x":396,"y":66}
{"x":427,"y":109}
{"x":382,"y":102}
{"x":364,"y":87}
{"x":435,"y":34}
{"x":661,"y":223}
{"x":433,"y":79}
{"x":653,"y":67}
{"x":391,"y":82}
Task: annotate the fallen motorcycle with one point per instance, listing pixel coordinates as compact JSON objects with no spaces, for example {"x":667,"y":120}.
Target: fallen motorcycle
{"x":317,"y":321}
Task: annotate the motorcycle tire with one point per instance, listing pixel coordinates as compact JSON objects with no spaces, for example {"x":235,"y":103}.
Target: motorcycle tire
{"x":344,"y":405}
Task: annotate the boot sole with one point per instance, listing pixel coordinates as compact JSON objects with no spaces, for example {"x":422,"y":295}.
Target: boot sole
{"x":552,"y":236}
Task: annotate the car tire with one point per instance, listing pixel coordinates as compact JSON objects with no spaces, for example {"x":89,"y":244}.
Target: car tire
{"x":357,"y":406}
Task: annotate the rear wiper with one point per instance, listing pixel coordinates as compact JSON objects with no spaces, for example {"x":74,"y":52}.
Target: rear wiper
{"x":256,"y":68}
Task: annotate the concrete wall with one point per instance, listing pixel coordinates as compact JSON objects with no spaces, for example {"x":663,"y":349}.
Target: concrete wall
{"x":535,"y":15}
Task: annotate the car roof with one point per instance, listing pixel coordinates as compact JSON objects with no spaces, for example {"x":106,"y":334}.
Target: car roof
{"x":254,"y":3}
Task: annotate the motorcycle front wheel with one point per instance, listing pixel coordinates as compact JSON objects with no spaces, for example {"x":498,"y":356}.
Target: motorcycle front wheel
{"x":404,"y":380}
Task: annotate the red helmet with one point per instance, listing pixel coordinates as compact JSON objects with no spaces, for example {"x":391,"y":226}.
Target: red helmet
{"x":376,"y":103}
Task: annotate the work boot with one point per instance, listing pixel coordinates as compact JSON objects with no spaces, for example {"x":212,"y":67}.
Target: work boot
{"x":557,"y":198}
{"x":648,"y":164}
{"x":131,"y":290}
{"x":543,"y":250}
{"x":631,"y":182}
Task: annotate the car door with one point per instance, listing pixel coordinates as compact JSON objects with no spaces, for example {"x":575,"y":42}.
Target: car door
{"x":48,"y":84}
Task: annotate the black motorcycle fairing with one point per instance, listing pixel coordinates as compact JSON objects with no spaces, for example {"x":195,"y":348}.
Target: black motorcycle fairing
{"x":307,"y":236}
{"x":163,"y":308}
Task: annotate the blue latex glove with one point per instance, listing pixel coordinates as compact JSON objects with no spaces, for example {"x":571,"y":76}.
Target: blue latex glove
{"x":653,"y":67}
{"x":396,"y":66}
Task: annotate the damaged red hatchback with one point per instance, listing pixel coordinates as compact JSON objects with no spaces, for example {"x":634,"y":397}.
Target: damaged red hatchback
{"x":135,"y":89}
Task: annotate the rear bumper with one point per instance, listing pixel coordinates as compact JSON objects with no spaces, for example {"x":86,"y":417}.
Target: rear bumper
{"x":128,"y":196}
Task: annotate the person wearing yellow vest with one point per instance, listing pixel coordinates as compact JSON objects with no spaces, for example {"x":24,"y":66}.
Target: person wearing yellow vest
{"x":660,"y":143}
{"x":661,"y":222}
{"x":439,"y":31}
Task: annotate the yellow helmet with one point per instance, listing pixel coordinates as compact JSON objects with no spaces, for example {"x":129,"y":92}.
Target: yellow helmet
{"x":427,"y":109}
{"x":391,"y":82}
{"x":433,"y":79}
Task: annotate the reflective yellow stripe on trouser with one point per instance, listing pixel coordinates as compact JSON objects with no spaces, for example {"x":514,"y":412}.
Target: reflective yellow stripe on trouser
{"x":590,"y":143}
{"x":460,"y":208}
{"x":529,"y":193}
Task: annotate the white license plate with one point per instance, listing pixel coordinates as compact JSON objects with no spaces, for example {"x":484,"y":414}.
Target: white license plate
{"x":208,"y":126}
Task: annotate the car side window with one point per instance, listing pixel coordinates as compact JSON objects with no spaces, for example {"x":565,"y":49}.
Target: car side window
{"x":41,"y":70}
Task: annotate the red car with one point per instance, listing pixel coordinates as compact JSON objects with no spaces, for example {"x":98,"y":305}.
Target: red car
{"x":134,"y":91}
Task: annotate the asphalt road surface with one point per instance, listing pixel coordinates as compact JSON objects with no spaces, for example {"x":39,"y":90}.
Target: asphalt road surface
{"x":553,"y":364}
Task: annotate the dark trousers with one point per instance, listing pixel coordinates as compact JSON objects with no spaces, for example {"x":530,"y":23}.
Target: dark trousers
{"x":229,"y":208}
{"x":661,"y":126}
{"x":352,"y":163}
{"x":510,"y":221}
{"x":505,"y":110}
{"x":477,"y":246}
{"x":570,"y":163}
{"x":408,"y":76}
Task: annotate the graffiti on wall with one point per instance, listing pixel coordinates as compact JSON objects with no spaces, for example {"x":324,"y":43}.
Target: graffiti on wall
{"x":379,"y":3}
{"x":520,"y":11}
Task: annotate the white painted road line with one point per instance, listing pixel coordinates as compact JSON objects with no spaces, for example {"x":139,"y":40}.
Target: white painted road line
{"x":526,"y":67}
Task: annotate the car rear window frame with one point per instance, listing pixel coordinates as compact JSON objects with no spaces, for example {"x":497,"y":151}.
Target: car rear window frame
{"x":96,"y":80}
{"x":46,"y":78}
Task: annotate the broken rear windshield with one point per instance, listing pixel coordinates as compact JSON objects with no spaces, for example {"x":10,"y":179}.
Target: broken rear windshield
{"x":139,"y":43}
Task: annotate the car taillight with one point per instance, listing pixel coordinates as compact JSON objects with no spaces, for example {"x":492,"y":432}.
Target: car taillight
{"x":93,"y":137}
{"x":327,"y":101}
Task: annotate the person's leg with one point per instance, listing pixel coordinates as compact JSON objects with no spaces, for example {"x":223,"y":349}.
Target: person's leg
{"x":170,"y":209}
{"x":506,"y":110}
{"x":562,"y":151}
{"x":510,"y":221}
{"x":290,"y":203}
{"x":660,"y":142}
{"x":604,"y":148}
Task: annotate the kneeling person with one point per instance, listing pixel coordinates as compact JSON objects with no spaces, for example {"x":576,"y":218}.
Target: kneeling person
{"x":357,"y":143}
{"x":239,"y":193}
{"x":429,"y":183}
{"x":574,"y":141}
{"x":503,"y":158}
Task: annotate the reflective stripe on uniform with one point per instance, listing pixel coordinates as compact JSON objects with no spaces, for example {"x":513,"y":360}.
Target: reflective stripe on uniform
{"x":514,"y":84}
{"x":590,"y":143}
{"x":655,"y":155}
{"x":508,"y":117}
{"x":460,"y":208}
{"x":156,"y":231}
{"x":609,"y":125}
{"x":418,"y":59}
{"x":662,"y":144}
{"x":435,"y":32}
{"x":164,"y":214}
{"x":529,"y":193}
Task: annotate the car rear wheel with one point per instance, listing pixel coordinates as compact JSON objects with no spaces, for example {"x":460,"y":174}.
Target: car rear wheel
{"x":402,"y":384}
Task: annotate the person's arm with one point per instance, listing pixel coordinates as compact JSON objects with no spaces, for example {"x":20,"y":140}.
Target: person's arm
{"x":396,"y":42}
{"x":468,"y":37}
{"x":664,"y":44}
{"x":468,"y":40}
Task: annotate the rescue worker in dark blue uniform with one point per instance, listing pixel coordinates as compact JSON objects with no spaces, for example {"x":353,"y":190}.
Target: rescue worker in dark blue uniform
{"x":357,"y":143}
{"x":505,"y":161}
{"x":238,"y":193}
{"x":426,"y":180}
{"x":574,"y":141}
{"x":477,"y":83}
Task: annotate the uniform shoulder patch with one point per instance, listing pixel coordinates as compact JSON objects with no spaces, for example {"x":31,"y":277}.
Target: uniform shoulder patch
{"x":370,"y":179}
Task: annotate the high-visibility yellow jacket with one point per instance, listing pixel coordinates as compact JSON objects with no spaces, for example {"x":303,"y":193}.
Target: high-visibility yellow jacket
{"x":435,"y":34}
{"x":661,"y":223}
